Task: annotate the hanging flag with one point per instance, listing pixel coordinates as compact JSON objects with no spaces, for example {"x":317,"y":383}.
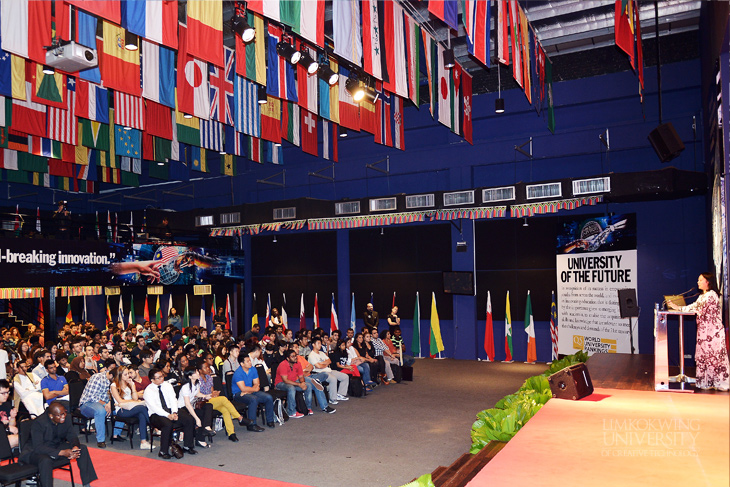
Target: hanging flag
{"x":271,"y":120}
{"x":48,"y":89}
{"x":334,"y":322}
{"x":128,"y":110}
{"x":268,"y":8}
{"x":526,"y":57}
{"x":398,"y":141}
{"x":247,"y":108}
{"x":28,"y":117}
{"x":371,"y":38}
{"x":368,"y":120}
{"x":228,"y":312}
{"x":26,"y":28}
{"x":623,"y":27}
{"x":62,"y":123}
{"x":109,"y":235}
{"x":515,"y":27}
{"x":86,"y":25}
{"x":186,"y":318}
{"x":549,"y":90}
{"x":508,"y":332}
{"x":192,"y":81}
{"x":284,"y":317}
{"x":158,"y":313}
{"x":489,"y":331}
{"x":152,"y":19}
{"x":330,"y":136}
{"x":467,"y":125}
{"x":639,"y":47}
{"x":202,"y":323}
{"x":395,"y":77}
{"x":554,"y":328}
{"x":329,"y":105}
{"x":309,"y":133}
{"x":280,"y":77}
{"x":353,"y":319}
{"x":349,"y":109}
{"x":205,"y":24}
{"x":383,"y":134}
{"x":132,"y":316}
{"x":120,"y":68}
{"x":146,"y":308}
{"x":476,"y":22}
{"x":106,"y":9}
{"x":446,"y":10}
{"x":108,"y":310}
{"x":267,"y":320}
{"x":221,"y":89}
{"x":157,"y":120}
{"x":127,"y":143}
{"x":316,"y":312}
{"x":530,"y":332}
{"x":413,"y":42}
{"x":251,"y":57}
{"x":445,"y":89}
{"x":302,"y":318}
{"x":92,"y":102}
{"x":307,"y":83}
{"x":158,"y":73}
{"x":69,"y":316}
{"x":455,"y":88}
{"x":290,"y":122}
{"x":502,"y":32}
{"x":429,"y":51}
{"x":346,"y":30}
{"x":211,"y":135}
{"x":435,"y":342}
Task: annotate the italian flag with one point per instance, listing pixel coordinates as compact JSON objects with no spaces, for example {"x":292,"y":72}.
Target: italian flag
{"x":508,"y":332}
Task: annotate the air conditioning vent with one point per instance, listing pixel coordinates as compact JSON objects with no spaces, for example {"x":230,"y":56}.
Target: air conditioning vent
{"x":383,"y":204}
{"x":459,"y":198}
{"x":548,"y":190}
{"x":420,"y":201}
{"x":285,"y":213}
{"x":201,"y":289}
{"x":491,"y":195}
{"x":230,"y":218}
{"x":347,"y":208}
{"x":204,"y":221}
{"x":590,"y":186}
{"x":155,"y":290}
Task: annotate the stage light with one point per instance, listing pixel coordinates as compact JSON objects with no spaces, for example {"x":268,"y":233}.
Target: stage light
{"x":449,"y":58}
{"x":241,"y":27}
{"x":130,"y":41}
{"x":309,"y":64}
{"x":352,"y":85}
{"x":48,"y":70}
{"x":326,"y":73}
{"x":499,"y":105}
{"x":288,"y":52}
{"x":343,"y":132}
{"x":261,"y":95}
{"x":525,"y":224}
{"x":499,"y":102}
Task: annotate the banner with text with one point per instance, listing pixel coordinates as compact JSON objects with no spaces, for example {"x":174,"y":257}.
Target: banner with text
{"x":595,"y":258}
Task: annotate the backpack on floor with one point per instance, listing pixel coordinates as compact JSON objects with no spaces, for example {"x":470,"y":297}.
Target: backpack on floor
{"x":301,"y":403}
{"x":355,"y":388}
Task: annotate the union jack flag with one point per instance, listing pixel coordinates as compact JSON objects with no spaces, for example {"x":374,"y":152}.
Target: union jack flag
{"x":221,"y":90}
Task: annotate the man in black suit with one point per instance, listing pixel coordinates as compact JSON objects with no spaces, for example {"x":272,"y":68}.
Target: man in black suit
{"x":53,"y":437}
{"x":370,"y":317}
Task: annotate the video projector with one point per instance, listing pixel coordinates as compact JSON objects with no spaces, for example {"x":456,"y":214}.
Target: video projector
{"x":71,"y":57}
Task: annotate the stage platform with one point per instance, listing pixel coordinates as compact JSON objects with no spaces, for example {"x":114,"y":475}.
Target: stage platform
{"x":628,"y":436}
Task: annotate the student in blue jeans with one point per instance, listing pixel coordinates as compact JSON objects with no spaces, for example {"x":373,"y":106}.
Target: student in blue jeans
{"x":94,"y":402}
{"x":245,"y":389}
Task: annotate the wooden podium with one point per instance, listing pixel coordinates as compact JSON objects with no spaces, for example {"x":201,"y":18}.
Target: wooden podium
{"x":661,"y":352}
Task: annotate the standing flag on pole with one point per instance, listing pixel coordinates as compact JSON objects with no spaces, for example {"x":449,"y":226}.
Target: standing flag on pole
{"x":41,"y":314}
{"x":108,"y":226}
{"x":334,"y":322}
{"x":131,"y":226}
{"x":69,"y":316}
{"x":228,"y":311}
{"x":146,"y":308}
{"x":416,"y":342}
{"x":302,"y":318}
{"x":38,"y":220}
{"x":352,"y":313}
{"x":16,"y":227}
{"x":213,"y":310}
{"x":116,"y":221}
{"x":530,"y":331}
{"x":284,"y":317}
{"x":186,"y":319}
{"x":120,"y":314}
{"x":108,"y":310}
{"x":436,"y":344}
{"x":554,"y":328}
{"x":489,"y":331}
{"x":203,"y":322}
{"x":169,"y":307}
{"x":84,"y":316}
{"x":393,"y":305}
{"x":316,"y":312}
{"x":268,"y":310}
{"x":508,"y":332}
{"x":254,"y":315}
{"x":132,"y":317}
{"x":98,"y":235}
{"x":158,"y":313}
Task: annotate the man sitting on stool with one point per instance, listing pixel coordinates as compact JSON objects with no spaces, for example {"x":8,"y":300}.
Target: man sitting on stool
{"x":53,"y":437}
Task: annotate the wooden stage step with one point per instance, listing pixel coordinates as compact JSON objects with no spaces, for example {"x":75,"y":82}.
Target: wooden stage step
{"x":459,"y":473}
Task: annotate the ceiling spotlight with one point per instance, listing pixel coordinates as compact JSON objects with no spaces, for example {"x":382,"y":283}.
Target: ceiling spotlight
{"x":370,"y":95}
{"x":130,"y":41}
{"x":261,"y":95}
{"x":525,"y":224}
{"x":309,"y":64}
{"x":160,"y":163}
{"x":352,"y":85}
{"x":499,"y":105}
{"x":222,"y":152}
{"x":187,"y":115}
{"x":288,"y":52}
{"x":48,"y":70}
{"x":326,"y":73}
{"x":126,"y":127}
{"x":241,"y":27}
{"x":343,"y":132}
{"x":449,"y":58}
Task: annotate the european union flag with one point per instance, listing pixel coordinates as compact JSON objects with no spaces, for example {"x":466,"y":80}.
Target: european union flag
{"x":128,"y":142}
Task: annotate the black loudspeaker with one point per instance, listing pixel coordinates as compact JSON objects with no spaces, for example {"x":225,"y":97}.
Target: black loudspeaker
{"x":572,"y":382}
{"x":666,"y":142}
{"x":627,"y":305}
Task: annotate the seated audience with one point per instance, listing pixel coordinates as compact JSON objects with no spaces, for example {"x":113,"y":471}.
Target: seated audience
{"x":193,"y":403}
{"x":54,"y":386}
{"x":95,"y":402}
{"x":220,"y":403}
{"x":8,"y":414}
{"x":337,"y":381}
{"x":162,"y":405}
{"x":245,"y":389}
{"x":128,"y":404}
{"x":28,"y":389}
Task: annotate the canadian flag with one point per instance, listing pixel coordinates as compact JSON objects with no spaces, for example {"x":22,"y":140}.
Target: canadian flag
{"x":309,"y":132}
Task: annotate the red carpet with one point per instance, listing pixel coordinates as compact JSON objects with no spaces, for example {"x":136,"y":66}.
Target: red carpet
{"x":114,"y":470}
{"x":619,"y":438}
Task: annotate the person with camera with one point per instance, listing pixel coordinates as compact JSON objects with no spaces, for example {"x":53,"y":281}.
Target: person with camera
{"x":62,"y":218}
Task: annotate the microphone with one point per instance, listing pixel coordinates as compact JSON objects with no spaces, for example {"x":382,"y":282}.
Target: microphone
{"x":683,"y":294}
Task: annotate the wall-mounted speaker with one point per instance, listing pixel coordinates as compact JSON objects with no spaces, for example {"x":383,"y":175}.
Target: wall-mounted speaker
{"x":628,"y":308}
{"x":666,"y":142}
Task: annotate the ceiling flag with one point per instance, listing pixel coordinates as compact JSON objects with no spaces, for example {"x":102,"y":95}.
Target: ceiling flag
{"x":205,"y":30}
{"x":309,"y":133}
{"x":128,"y":110}
{"x":192,"y":82}
{"x":349,"y":109}
{"x":446,"y":10}
{"x":158,"y":73}
{"x":467,"y":89}
{"x":346,"y":30}
{"x":307,"y":84}
{"x":371,"y":40}
{"x":477,"y":22}
{"x":26,"y":28}
{"x":251,"y":57}
{"x":396,"y":78}
{"x":119,"y":66}
{"x":152,"y":19}
{"x":444,"y":83}
{"x":247,"y":109}
{"x":502,"y":32}
{"x":413,"y":37}
{"x":221,"y":89}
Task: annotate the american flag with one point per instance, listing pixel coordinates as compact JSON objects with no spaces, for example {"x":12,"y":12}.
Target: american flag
{"x":128,"y":110}
{"x":221,"y":90}
{"x":554,"y":327}
{"x":62,"y":124}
